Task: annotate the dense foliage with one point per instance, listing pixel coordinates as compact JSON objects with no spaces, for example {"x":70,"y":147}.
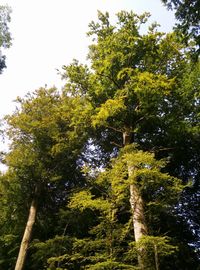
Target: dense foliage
{"x":111,"y":161}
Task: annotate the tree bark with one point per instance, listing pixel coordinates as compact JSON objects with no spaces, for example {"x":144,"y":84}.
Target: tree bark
{"x":156,"y":257}
{"x":136,"y":202}
{"x":27,"y":236}
{"x":139,"y":224}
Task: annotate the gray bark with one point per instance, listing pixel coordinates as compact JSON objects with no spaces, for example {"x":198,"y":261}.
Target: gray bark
{"x":136,"y":202}
{"x":27,"y":236}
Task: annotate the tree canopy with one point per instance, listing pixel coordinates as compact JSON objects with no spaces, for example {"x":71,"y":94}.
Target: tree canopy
{"x":110,"y":163}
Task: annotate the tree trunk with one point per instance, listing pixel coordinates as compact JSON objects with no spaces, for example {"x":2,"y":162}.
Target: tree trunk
{"x":156,"y":257}
{"x":139,"y":224}
{"x":27,"y":236}
{"x":136,"y":202}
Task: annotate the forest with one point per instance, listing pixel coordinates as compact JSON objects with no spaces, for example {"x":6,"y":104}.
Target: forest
{"x":104,"y":174}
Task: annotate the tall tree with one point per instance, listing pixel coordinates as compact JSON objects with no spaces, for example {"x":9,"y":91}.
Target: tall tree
{"x":46,"y":143}
{"x":134,"y":87}
{"x":5,"y":37}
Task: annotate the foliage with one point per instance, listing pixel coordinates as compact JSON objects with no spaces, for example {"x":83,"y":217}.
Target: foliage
{"x":129,"y":118}
{"x":45,"y":138}
{"x":187,"y":13}
{"x":8,"y":249}
{"x":108,"y":197}
{"x":158,"y":249}
{"x":5,"y":37}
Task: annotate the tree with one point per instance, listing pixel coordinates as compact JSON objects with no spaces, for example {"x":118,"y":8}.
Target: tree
{"x":137,"y":86}
{"x":134,"y":85}
{"x":46,"y":143}
{"x":5,"y":37}
{"x":187,"y":13}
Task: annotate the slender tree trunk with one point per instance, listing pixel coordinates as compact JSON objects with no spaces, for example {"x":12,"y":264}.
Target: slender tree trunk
{"x":136,"y":202}
{"x":27,"y":236}
{"x":156,"y":257}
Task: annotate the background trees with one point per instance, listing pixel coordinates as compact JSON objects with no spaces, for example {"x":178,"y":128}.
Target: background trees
{"x":5,"y":37}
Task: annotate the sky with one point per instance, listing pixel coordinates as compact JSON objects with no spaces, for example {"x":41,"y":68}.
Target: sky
{"x":48,"y":34}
